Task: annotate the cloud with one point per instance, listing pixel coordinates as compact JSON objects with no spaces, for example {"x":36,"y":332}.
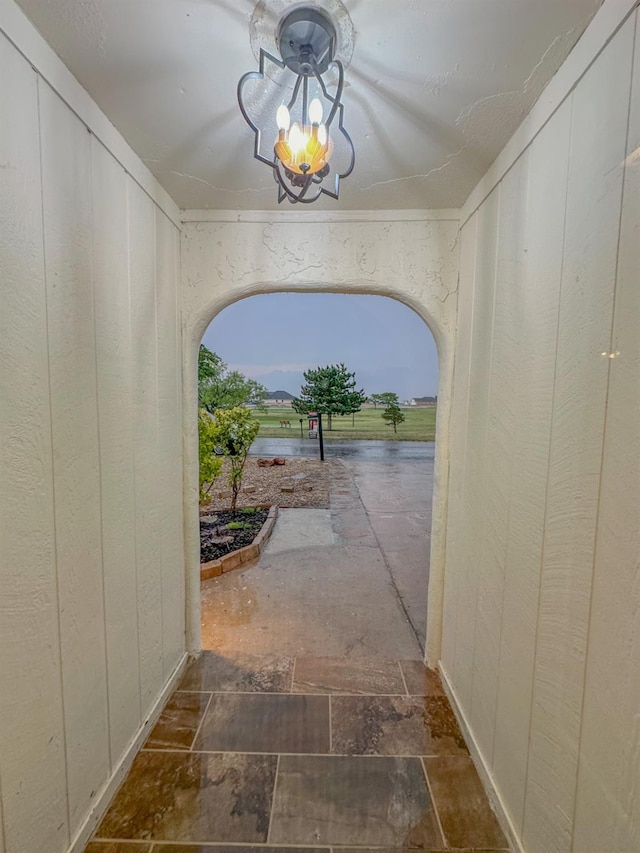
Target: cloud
{"x":255,"y":371}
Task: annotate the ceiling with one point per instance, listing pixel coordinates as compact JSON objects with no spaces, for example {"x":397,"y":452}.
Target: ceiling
{"x":434,"y":90}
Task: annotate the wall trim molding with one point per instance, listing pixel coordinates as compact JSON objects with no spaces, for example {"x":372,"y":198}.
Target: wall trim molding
{"x":107,"y":792}
{"x":482,"y":766}
{"x":309,"y":216}
{"x":19,"y":30}
{"x":609,"y":18}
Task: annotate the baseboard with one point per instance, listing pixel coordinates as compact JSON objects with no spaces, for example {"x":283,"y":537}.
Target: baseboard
{"x":106,"y":794}
{"x":482,"y":767}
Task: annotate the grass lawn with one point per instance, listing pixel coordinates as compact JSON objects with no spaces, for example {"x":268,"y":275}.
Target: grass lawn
{"x":419,"y":425}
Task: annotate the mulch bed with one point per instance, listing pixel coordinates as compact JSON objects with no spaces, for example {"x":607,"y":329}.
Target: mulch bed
{"x":216,"y":539}
{"x":306,"y":484}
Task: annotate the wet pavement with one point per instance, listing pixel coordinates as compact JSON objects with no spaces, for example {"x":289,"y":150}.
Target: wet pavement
{"x":397,"y":497}
{"x":335,"y":448}
{"x":347,"y":582}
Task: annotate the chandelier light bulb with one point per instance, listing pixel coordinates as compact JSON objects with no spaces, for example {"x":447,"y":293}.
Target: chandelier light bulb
{"x":315,"y":111}
{"x":322,"y":135}
{"x":283,"y":119}
{"x":297,"y":139}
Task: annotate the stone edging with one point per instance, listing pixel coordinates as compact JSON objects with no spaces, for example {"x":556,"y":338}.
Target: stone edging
{"x":242,"y":556}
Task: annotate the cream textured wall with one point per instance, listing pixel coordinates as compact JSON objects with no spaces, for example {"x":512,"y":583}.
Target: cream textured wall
{"x":412,"y":257}
{"x":91,"y":549}
{"x":541,"y":643}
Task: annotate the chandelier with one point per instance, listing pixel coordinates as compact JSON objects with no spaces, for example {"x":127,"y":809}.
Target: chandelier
{"x":307,"y":126}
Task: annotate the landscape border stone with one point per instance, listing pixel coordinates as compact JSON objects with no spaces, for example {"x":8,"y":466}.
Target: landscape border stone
{"x":236,"y":559}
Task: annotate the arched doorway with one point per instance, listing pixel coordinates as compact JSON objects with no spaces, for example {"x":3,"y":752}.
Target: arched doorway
{"x":413,"y":261}
{"x":346,"y":571}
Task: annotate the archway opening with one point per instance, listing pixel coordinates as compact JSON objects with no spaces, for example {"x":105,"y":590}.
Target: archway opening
{"x":346,"y":570}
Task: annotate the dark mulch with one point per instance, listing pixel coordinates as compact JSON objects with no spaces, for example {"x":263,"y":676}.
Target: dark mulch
{"x":216,"y":539}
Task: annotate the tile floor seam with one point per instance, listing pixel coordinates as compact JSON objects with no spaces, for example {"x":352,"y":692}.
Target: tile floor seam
{"x":445,"y":840}
{"x":200,"y":724}
{"x":367,"y":755}
{"x":273,"y":799}
{"x":301,"y":693}
{"x":330,"y":725}
{"x":245,"y":692}
{"x":404,"y":680}
{"x":354,"y":695}
{"x":160,"y":843}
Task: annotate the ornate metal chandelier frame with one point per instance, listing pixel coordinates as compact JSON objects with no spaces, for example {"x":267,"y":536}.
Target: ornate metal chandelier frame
{"x":305,"y":59}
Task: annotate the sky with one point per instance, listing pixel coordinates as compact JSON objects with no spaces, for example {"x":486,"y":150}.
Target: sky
{"x":274,"y":337}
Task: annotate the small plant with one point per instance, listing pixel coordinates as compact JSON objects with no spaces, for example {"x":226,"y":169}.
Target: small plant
{"x":210,"y":465}
{"x":393,"y":415}
{"x":238,"y":525}
{"x":248,"y":510}
{"x":234,"y":431}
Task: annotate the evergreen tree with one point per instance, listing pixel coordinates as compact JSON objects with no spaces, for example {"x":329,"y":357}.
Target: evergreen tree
{"x":330,"y":390}
{"x":392,"y":415}
{"x":385,"y":399}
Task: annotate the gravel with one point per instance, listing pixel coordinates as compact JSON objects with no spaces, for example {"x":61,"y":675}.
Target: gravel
{"x":309,"y":479}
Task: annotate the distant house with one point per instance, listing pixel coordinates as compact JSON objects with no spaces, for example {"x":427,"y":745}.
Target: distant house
{"x":424,"y":401}
{"x":278,"y":398}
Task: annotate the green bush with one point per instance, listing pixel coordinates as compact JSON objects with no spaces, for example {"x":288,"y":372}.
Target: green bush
{"x":233,"y":433}
{"x":210,"y":464}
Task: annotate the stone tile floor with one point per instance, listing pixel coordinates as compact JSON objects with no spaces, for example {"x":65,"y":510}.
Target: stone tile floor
{"x":267,"y":753}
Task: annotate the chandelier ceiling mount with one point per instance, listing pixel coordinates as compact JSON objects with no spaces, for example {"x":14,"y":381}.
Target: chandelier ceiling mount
{"x":306,"y":39}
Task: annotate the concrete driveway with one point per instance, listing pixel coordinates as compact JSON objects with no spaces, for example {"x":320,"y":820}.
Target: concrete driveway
{"x":350,"y":581}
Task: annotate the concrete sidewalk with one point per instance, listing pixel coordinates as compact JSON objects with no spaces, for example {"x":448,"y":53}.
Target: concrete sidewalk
{"x":350,"y":581}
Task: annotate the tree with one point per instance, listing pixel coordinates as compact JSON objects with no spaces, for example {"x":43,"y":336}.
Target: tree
{"x":233,"y":390}
{"x":329,"y":390}
{"x":393,"y":415}
{"x":219,"y":388}
{"x":210,"y":464}
{"x":210,"y":366}
{"x":385,"y":399}
{"x":233,"y":433}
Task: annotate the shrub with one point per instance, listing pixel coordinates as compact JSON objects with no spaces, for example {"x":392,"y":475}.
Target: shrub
{"x":210,"y":464}
{"x":233,"y":432}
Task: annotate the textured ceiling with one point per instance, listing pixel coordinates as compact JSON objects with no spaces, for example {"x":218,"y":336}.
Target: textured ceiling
{"x":434,"y":90}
